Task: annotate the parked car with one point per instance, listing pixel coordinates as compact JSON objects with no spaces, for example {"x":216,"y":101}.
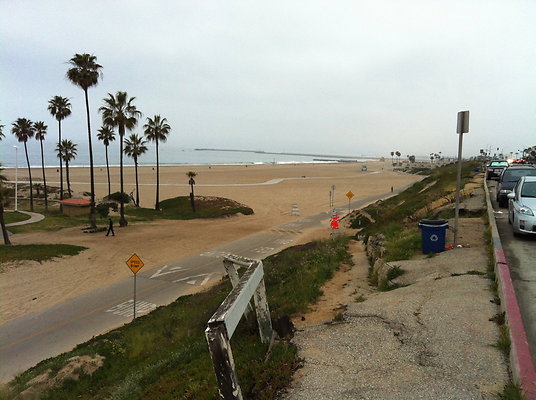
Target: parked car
{"x":495,"y":168}
{"x":522,"y":206}
{"x":509,"y":178}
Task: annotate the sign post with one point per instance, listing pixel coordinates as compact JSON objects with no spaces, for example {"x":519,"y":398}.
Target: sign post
{"x":462,"y":127}
{"x":135,"y":264}
{"x":349,"y":195}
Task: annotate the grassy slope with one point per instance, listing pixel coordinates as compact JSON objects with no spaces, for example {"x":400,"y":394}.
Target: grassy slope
{"x":164,"y":355}
{"x":396,"y":217}
{"x":10,"y":217}
{"x":37,"y":252}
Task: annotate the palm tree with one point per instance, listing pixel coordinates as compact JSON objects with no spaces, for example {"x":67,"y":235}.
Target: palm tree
{"x":135,"y":147}
{"x":1,"y":132}
{"x":392,"y":154}
{"x":157,"y":130}
{"x":106,"y":135}
{"x":398,"y":154}
{"x":191,"y":182}
{"x":85,"y":72}
{"x":67,"y":152}
{"x":40,"y":132}
{"x":119,"y":111}
{"x":4,"y":196}
{"x":23,"y":129}
{"x":60,"y":108}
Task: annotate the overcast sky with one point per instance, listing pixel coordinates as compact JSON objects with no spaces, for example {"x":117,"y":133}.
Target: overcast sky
{"x":336,"y":77}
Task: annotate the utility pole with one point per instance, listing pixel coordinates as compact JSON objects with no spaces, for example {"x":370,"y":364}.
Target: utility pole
{"x":463,"y":127}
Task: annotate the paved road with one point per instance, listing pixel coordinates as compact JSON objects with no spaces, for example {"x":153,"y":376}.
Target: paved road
{"x":34,"y":217}
{"x":520,"y":253}
{"x":37,"y":336}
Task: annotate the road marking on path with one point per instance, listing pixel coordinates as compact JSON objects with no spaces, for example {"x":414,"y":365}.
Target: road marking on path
{"x":172,"y":270}
{"x":262,"y":250}
{"x":126,"y":309}
{"x":191,"y":281}
{"x":214,"y":254}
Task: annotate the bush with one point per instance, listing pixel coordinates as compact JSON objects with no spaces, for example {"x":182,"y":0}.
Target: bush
{"x":103,"y":209}
{"x":119,"y":197}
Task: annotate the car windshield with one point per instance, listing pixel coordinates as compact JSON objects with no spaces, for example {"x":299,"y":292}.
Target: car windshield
{"x":528,"y":189}
{"x":499,"y":164}
{"x":513,"y":175}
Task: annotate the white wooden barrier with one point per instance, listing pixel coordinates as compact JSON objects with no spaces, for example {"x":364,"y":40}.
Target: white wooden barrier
{"x":223,"y":323}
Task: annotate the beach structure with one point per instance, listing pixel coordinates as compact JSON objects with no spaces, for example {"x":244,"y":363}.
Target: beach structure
{"x":76,"y":207}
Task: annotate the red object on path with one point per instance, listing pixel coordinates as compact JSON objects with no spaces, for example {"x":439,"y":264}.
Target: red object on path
{"x":335,"y":221}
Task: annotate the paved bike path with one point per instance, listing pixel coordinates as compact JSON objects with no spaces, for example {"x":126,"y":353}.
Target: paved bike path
{"x":34,"y":337}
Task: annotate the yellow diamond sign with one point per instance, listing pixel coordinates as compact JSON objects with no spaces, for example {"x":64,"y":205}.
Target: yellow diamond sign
{"x":135,"y":263}
{"x":349,"y":194}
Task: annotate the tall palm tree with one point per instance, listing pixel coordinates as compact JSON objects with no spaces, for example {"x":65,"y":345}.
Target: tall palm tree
{"x":4,"y":196}
{"x":67,"y":152}
{"x":23,"y":129}
{"x":191,"y":182}
{"x":40,"y":133}
{"x":157,"y":130}
{"x":135,"y":147}
{"x":398,"y":154}
{"x":392,"y":154}
{"x":60,"y":108}
{"x":85,"y":72}
{"x":106,"y":135}
{"x":119,"y":111}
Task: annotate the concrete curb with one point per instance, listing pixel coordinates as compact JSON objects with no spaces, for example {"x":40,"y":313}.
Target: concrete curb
{"x":523,"y":370}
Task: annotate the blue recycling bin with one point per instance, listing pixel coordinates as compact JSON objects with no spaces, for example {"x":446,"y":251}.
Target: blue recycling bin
{"x":433,"y":235}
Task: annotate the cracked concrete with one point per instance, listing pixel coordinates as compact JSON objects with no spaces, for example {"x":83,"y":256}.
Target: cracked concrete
{"x":432,"y":339}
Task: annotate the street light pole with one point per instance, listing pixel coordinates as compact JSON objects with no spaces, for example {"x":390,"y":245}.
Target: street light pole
{"x":16,"y":175}
{"x":462,"y":127}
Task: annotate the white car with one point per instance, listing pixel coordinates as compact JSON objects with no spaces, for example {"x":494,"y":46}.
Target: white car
{"x":522,"y":206}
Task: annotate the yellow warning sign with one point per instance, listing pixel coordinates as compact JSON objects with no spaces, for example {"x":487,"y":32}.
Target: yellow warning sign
{"x":349,"y":194}
{"x":135,"y":263}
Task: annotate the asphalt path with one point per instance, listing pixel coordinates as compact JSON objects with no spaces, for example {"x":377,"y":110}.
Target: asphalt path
{"x":520,"y":253}
{"x":34,"y":337}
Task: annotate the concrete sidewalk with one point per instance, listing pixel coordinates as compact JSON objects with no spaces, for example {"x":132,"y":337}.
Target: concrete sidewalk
{"x":34,"y":217}
{"x":432,"y":339}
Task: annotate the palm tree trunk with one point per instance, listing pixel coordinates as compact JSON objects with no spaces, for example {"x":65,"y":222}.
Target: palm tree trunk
{"x":108,"y":171}
{"x":30,"y":174}
{"x":7,"y":242}
{"x":122,"y":220}
{"x":92,"y":211}
{"x":68,"y":180}
{"x":61,"y":164}
{"x":137,"y":189}
{"x":157,"y":204}
{"x":44,"y":176}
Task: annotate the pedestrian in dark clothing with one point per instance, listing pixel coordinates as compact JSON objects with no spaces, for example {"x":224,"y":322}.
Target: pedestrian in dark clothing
{"x":110,"y":227}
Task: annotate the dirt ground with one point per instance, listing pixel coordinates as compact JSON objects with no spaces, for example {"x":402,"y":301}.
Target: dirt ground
{"x":270,"y":190}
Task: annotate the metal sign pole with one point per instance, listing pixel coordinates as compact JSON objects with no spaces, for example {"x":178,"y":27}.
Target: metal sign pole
{"x":135,"y":296}
{"x":463,"y":127}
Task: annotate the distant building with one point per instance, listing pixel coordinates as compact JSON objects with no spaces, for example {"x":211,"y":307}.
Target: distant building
{"x":75,"y":207}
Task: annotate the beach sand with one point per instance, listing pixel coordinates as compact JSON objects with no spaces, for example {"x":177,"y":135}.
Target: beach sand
{"x":270,"y":190}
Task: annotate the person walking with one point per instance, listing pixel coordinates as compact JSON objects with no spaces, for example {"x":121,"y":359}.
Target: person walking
{"x":110,"y":227}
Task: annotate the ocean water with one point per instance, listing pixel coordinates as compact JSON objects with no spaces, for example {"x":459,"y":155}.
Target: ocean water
{"x":169,"y":155}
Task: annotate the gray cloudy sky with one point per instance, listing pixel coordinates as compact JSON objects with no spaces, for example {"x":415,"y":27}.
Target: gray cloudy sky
{"x":337,"y":77}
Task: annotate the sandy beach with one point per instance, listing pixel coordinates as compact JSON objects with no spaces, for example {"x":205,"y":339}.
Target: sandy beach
{"x":270,"y":190}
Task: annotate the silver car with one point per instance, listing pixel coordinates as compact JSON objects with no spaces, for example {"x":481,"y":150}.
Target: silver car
{"x":522,"y":206}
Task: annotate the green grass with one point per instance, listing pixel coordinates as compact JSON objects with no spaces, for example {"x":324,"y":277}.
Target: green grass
{"x":180,"y":208}
{"x":511,"y":391}
{"x":11,"y":217}
{"x":37,"y":252}
{"x":397,"y":217}
{"x":164,"y":355}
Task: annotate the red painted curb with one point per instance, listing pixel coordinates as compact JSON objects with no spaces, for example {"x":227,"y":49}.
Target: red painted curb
{"x":521,"y":363}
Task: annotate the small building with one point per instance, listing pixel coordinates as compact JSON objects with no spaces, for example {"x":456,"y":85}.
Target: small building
{"x":75,"y":207}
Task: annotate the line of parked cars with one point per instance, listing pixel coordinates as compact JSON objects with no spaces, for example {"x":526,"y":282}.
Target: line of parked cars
{"x":516,"y":189}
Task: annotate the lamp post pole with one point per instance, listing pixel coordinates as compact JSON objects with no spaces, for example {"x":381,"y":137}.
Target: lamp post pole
{"x":462,"y":127}
{"x":16,"y":175}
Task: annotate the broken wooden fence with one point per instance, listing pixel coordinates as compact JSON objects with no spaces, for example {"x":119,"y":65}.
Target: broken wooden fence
{"x":225,"y":320}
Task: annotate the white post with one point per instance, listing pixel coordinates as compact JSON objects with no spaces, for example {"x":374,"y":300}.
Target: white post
{"x":16,"y":174}
{"x":462,"y":127}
